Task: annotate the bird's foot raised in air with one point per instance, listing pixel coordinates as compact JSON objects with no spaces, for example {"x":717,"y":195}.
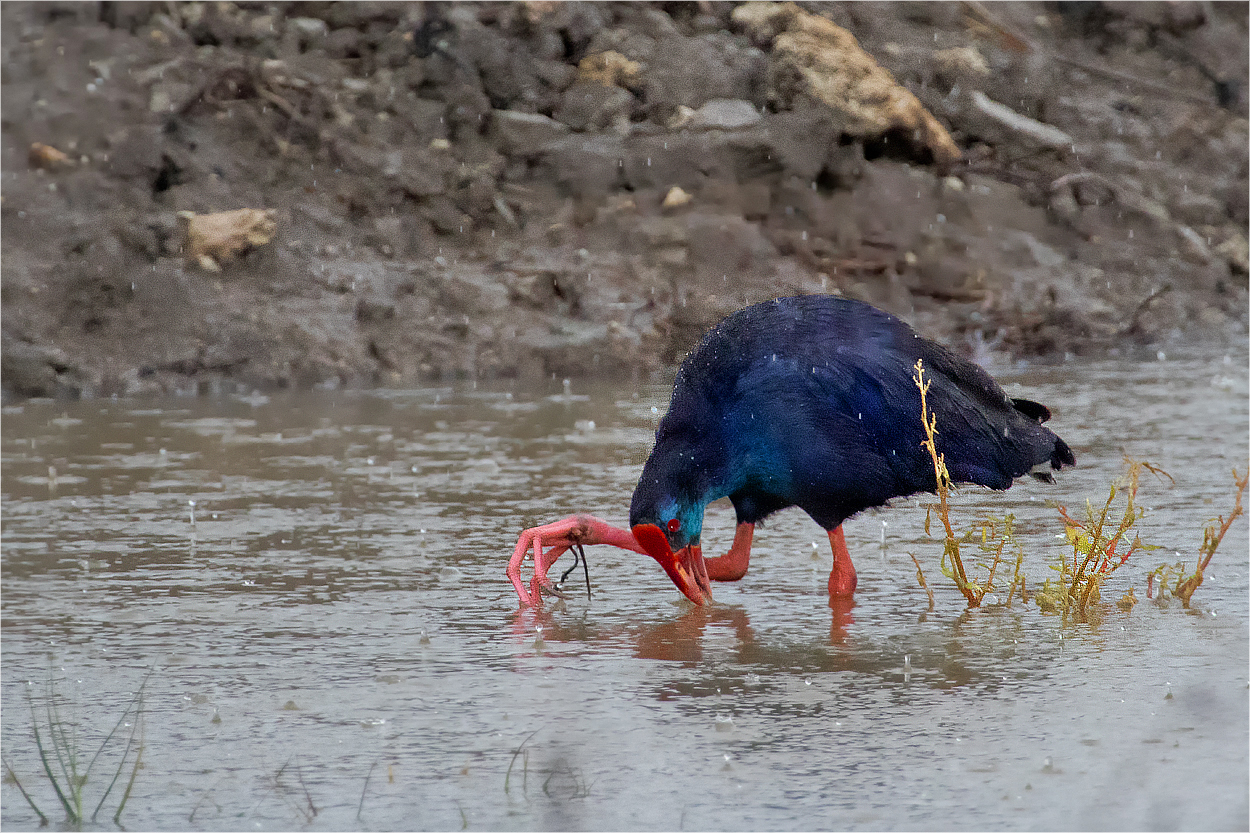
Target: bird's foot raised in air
{"x":558,"y":537}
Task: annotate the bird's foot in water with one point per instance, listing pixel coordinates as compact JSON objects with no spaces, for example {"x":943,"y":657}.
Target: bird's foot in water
{"x":842,"y":578}
{"x":558,"y":537}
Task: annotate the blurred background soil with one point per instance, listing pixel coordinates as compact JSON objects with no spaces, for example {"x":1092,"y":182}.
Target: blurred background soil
{"x":521,"y":190}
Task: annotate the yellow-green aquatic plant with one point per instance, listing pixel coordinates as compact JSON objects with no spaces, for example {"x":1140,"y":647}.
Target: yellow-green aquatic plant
{"x":1100,"y":546}
{"x":1212,"y":535}
{"x":995,"y":535}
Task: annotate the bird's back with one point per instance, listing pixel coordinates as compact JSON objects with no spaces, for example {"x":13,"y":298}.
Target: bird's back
{"x":811,"y":401}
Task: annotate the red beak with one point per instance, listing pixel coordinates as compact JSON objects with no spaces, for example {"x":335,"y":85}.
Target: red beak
{"x":685,"y":567}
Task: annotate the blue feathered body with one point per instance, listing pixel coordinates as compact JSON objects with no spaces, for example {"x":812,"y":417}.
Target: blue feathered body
{"x":810,"y":401}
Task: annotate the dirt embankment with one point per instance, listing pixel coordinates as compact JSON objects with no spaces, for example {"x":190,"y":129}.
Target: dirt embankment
{"x":520,"y":190}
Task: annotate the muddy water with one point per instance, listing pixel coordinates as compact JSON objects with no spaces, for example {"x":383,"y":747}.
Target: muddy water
{"x":313,"y":586}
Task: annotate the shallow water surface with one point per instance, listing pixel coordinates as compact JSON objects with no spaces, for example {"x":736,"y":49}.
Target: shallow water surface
{"x":313,"y":587}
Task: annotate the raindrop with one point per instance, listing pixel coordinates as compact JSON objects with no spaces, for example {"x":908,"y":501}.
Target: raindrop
{"x":724,"y":723}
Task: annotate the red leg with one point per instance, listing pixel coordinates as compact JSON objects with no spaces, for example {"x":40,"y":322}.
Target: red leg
{"x":733,"y":565}
{"x":842,"y":578}
{"x":559,"y":536}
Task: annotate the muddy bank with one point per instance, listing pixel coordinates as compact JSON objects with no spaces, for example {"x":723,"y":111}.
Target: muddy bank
{"x":488,"y":191}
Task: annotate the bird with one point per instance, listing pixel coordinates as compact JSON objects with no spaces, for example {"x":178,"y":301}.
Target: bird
{"x":807,"y":401}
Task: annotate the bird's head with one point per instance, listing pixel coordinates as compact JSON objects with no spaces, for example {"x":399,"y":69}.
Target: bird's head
{"x":669,"y":531}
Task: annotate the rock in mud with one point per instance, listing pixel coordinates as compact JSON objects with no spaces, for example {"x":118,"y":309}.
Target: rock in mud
{"x":48,"y":158}
{"x":814,"y":61}
{"x":216,"y":239}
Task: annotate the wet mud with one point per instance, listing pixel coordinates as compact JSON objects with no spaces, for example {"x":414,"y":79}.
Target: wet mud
{"x":512,"y":191}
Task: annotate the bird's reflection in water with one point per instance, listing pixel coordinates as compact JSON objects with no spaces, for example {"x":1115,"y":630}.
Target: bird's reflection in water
{"x":680,"y":639}
{"x":683,"y":639}
{"x":841,"y":607}
{"x":721,"y":639}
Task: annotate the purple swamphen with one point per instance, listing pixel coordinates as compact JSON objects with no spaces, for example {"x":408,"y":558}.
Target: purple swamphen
{"x":810,"y":402}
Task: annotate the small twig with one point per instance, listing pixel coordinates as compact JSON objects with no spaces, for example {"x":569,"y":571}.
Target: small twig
{"x":924,"y":585}
{"x":287,"y":108}
{"x":508,"y":775}
{"x":1134,"y":80}
{"x":1134,"y":321}
{"x":579,"y":555}
{"x":360,"y":807}
{"x":1046,"y":135}
{"x":204,"y":798}
{"x":1081,"y":176}
{"x":274,"y":784}
{"x":299,"y":773}
{"x":1017,"y":40}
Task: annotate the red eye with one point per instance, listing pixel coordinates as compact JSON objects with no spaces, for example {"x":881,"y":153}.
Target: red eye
{"x":674,"y":525}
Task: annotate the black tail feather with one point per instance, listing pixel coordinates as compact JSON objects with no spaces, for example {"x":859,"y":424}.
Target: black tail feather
{"x":1062,"y":455}
{"x":1032,"y":410}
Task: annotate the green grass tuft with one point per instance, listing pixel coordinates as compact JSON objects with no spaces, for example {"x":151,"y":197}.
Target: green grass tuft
{"x":62,"y":758}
